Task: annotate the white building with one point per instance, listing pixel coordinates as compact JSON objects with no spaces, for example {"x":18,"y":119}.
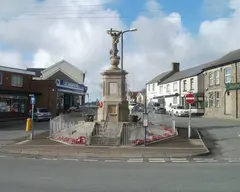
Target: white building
{"x":173,"y":90}
{"x":152,"y":89}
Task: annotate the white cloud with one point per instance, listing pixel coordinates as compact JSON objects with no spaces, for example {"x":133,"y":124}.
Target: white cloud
{"x":11,"y":59}
{"x":83,"y":41}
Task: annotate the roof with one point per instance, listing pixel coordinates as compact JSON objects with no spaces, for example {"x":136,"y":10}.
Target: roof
{"x":38,"y":71}
{"x":186,"y":73}
{"x":16,"y":70}
{"x":159,"y":77}
{"x":231,"y":57}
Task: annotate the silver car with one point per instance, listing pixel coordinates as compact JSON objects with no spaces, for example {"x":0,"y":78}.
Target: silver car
{"x":41,"y":114}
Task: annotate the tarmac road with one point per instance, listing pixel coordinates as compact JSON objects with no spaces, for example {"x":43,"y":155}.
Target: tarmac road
{"x":222,"y":136}
{"x":36,"y":175}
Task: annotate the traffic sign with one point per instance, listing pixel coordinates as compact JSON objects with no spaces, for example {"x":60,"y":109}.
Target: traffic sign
{"x":33,"y":100}
{"x":190,"y":99}
{"x":100,"y":104}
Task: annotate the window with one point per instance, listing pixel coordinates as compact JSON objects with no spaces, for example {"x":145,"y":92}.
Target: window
{"x":185,"y":85}
{"x":17,"y":80}
{"x":210,"y":100}
{"x":153,"y":87}
{"x":12,"y":104}
{"x":161,"y":89}
{"x":191,"y":84}
{"x":216,"y":76}
{"x":174,"y":100}
{"x":227,"y":73}
{"x":217,"y":99}
{"x":175,"y":86}
{"x":168,"y":88}
{"x":211,"y":79}
{"x":1,"y":78}
{"x":148,"y":87}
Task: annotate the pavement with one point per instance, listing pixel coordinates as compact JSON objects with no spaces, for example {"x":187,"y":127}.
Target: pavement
{"x":44,"y":175}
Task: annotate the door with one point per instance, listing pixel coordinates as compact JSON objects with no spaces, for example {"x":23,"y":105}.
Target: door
{"x":228,"y":103}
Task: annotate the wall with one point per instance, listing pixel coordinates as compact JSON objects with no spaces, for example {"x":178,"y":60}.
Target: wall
{"x":227,"y":108}
{"x":188,"y":82}
{"x":48,"y":97}
{"x":152,"y":92}
{"x":6,"y":82}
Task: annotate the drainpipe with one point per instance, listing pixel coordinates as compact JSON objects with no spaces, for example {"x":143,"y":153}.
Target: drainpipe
{"x":180,"y":97}
{"x":236,"y":79}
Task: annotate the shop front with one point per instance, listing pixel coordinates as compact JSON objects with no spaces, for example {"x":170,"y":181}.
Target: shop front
{"x":69,"y":94}
{"x":13,"y":105}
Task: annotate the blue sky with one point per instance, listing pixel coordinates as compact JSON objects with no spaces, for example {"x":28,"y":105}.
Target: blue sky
{"x":193,"y":12}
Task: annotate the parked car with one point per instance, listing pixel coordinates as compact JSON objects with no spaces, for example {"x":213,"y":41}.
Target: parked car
{"x":41,"y":114}
{"x":179,"y":110}
{"x":161,"y":110}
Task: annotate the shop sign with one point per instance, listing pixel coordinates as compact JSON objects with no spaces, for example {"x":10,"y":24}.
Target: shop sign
{"x":12,"y":97}
{"x":232,"y":86}
{"x":70,"y":85}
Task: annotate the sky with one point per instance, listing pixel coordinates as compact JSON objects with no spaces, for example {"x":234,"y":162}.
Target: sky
{"x":39,"y":33}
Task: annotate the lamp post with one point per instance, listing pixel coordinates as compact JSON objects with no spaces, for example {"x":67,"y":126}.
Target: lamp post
{"x":122,"y":33}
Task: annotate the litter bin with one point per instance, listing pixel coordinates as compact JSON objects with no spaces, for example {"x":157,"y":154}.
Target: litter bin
{"x":89,"y":118}
{"x":133,"y":118}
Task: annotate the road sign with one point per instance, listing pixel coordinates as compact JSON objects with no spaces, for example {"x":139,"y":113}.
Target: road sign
{"x":190,"y":99}
{"x":33,"y":100}
{"x":100,"y":104}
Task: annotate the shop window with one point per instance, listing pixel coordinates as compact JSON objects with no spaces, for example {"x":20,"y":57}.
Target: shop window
{"x":1,"y":78}
{"x":17,"y":80}
{"x":217,"y":99}
{"x":12,"y":104}
{"x":210,"y":100}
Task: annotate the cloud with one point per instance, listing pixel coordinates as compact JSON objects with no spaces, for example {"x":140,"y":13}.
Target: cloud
{"x":216,"y":8}
{"x":76,"y":31}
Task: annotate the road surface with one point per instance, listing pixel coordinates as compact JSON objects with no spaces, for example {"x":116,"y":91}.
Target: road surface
{"x":60,"y":176}
{"x":222,"y":136}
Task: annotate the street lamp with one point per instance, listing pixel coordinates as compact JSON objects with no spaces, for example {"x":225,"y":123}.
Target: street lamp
{"x":122,"y":32}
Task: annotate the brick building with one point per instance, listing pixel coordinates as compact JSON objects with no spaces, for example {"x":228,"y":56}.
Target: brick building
{"x":56,"y":88}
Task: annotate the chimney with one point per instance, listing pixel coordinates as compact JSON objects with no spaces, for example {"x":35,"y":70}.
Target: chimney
{"x":175,"y":66}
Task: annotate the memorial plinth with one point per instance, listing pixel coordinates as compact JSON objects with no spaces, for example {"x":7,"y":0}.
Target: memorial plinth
{"x":115,"y":104}
{"x":114,"y":98}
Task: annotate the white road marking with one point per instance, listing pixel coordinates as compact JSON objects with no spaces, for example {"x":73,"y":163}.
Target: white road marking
{"x":90,"y":160}
{"x":22,"y":142}
{"x":50,"y":159}
{"x":183,"y":161}
{"x":112,"y":161}
{"x":178,"y":159}
{"x":2,"y":156}
{"x":71,"y":159}
{"x":157,"y":160}
{"x":135,"y":160}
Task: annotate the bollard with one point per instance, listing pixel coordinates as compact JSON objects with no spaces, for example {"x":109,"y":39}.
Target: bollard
{"x":29,"y":124}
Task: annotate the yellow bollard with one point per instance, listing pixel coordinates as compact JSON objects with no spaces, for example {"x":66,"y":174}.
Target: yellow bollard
{"x":29,"y":124}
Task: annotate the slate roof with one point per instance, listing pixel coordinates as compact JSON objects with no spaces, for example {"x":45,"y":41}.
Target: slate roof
{"x":38,"y":71}
{"x":159,"y":77}
{"x":187,"y":73}
{"x":231,"y":57}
